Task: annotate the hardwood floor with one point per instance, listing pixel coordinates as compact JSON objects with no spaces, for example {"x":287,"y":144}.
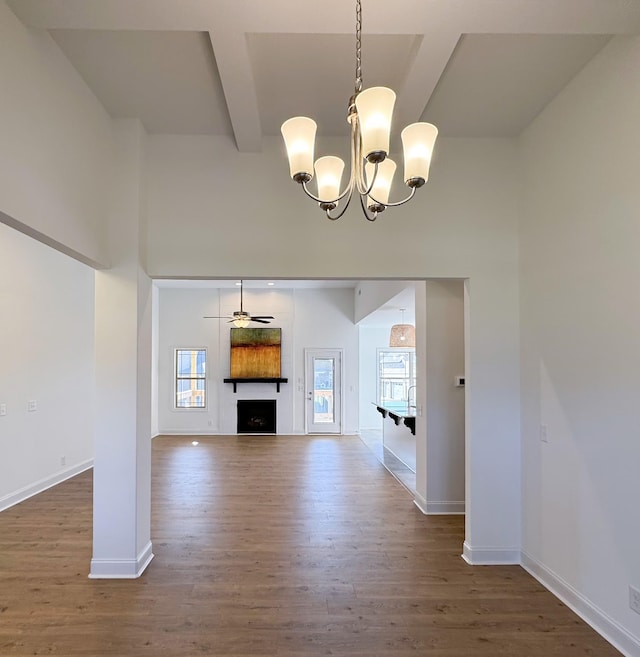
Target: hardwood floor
{"x":287,"y":546}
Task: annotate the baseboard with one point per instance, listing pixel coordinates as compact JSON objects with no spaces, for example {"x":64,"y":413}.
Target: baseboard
{"x":613,"y":632}
{"x":122,"y":568}
{"x":420,"y":502}
{"x":438,"y":508}
{"x":490,"y":556}
{"x":445,"y":508}
{"x":40,"y":486}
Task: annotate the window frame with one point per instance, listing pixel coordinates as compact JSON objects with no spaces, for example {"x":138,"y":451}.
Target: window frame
{"x":408,"y":381}
{"x":177,"y":378}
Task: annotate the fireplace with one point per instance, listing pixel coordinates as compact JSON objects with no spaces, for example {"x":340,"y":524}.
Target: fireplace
{"x":256,"y":416}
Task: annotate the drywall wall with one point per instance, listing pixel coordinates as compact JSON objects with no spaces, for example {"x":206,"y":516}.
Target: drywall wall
{"x":123,"y":341}
{"x":580,"y":345}
{"x":56,"y":155}
{"x":370,"y":339}
{"x":370,"y":295}
{"x":444,"y":400}
{"x":321,"y":318}
{"x":214,"y":212}
{"x":47,"y":343}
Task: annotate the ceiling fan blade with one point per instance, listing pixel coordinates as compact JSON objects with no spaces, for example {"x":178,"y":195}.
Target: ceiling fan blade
{"x":215,"y":317}
{"x":262,"y":317}
{"x":261,"y":321}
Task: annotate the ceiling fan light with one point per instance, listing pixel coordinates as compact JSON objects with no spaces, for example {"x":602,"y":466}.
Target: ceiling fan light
{"x":375,"y":109}
{"x":402,"y":335}
{"x":299,"y":134}
{"x":418,"y":140}
{"x":241,"y":322}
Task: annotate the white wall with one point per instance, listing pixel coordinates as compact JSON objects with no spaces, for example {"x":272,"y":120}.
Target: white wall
{"x":370,"y":339}
{"x":580,"y":240}
{"x":46,"y":342}
{"x":371,"y":295}
{"x":324,"y":320}
{"x":56,"y":155}
{"x":313,"y":318}
{"x":445,"y":402}
{"x":214,"y":212}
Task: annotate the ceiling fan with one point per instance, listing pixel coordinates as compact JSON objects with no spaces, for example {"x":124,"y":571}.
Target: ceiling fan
{"x":241,"y":318}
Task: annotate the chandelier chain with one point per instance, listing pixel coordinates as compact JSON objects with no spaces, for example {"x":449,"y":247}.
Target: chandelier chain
{"x":358,"y":47}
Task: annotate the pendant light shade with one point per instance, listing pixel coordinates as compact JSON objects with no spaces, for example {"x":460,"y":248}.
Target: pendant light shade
{"x":402,"y":335}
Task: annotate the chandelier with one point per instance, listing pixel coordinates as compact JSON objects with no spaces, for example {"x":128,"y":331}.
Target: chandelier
{"x":369,"y":115}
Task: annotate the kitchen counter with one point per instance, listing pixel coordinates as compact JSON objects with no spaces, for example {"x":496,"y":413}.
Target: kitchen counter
{"x":399,"y":430}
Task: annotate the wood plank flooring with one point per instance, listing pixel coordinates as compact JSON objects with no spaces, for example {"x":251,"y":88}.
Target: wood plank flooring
{"x":271,"y":546}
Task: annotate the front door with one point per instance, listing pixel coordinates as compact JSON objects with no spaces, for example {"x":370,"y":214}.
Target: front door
{"x":323,"y":381}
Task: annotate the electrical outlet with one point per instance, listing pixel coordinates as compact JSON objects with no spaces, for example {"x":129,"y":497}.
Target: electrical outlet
{"x":544,"y":434}
{"x":634,"y":599}
{"x":32,"y":405}
{"x":63,"y":460}
{"x":3,"y":409}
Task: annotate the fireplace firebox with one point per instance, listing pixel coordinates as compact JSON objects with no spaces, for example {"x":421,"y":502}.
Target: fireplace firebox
{"x":256,"y":416}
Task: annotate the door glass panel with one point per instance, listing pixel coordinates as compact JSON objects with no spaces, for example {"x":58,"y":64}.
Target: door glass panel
{"x":323,"y":390}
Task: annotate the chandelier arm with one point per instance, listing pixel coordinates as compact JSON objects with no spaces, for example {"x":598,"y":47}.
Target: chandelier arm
{"x":357,"y":166}
{"x":397,"y":203}
{"x":347,"y":190}
{"x":344,"y":209}
{"x":365,"y":212}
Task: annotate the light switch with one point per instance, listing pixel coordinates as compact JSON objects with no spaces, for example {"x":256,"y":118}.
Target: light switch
{"x":32,"y":405}
{"x":3,"y":409}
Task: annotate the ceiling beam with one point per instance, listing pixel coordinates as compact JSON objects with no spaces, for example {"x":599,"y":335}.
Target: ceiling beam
{"x":236,"y":77}
{"x":429,"y":64}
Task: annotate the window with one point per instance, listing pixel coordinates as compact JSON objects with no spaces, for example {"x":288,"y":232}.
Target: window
{"x":396,"y":374}
{"x":191,"y":378}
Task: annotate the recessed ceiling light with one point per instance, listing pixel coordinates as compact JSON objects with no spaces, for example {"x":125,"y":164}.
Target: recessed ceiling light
{"x":238,"y":284}
{"x":194,"y":442}
{"x":270,"y":284}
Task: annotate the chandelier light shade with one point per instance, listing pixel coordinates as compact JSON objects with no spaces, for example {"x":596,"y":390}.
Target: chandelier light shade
{"x":418,"y":141}
{"x":369,"y":115}
{"x":375,"y":109}
{"x":329,"y":175}
{"x":402,"y":335}
{"x":381,"y":183}
{"x":299,"y":136}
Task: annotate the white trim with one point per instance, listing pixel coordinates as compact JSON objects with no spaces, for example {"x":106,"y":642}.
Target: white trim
{"x":420,"y":502}
{"x":122,"y":568}
{"x":307,"y":353}
{"x":25,"y":493}
{"x":607,"y":627}
{"x":438,"y":508}
{"x":490,"y":556}
{"x":445,"y":508}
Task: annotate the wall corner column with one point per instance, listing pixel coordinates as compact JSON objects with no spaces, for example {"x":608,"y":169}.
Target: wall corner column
{"x":123,"y":325}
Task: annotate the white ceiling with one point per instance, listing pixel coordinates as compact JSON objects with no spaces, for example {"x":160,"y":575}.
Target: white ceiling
{"x":480,"y":68}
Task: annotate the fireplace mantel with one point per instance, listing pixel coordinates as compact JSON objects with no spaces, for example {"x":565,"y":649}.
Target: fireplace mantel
{"x":277,"y":381}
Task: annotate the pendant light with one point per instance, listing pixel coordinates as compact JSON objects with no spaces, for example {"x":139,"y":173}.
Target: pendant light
{"x":402,"y":335}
